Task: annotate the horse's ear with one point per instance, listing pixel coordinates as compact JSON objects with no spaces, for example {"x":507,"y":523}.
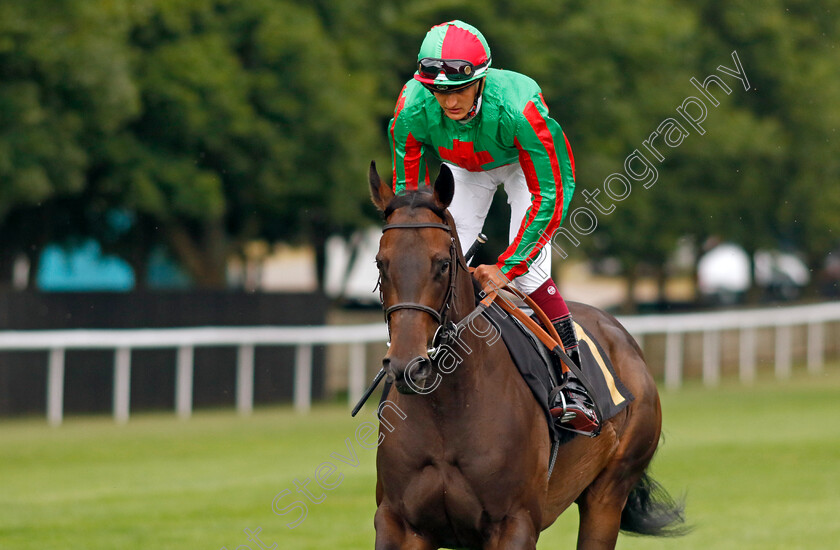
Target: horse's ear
{"x":444,"y":186}
{"x":380,"y":193}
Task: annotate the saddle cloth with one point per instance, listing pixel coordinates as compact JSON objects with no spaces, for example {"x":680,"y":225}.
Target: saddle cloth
{"x":534,"y":362}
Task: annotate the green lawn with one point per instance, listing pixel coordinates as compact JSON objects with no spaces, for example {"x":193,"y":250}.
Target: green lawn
{"x":760,"y":466}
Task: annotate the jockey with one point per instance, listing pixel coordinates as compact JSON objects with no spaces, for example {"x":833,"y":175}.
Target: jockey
{"x":491,"y":127}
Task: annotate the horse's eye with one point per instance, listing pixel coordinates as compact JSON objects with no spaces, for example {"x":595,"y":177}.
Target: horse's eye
{"x":444,"y":267}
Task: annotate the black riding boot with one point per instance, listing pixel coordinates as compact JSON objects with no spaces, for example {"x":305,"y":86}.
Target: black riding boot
{"x":565,"y":327}
{"x":572,"y":406}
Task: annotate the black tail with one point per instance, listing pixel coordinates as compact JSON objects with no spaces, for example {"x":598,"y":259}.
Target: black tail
{"x":650,"y":510}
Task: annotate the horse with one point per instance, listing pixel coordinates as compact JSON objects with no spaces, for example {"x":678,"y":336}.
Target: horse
{"x":466,"y":463}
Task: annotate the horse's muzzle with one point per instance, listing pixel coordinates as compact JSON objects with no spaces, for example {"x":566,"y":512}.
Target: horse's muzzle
{"x":410,"y":378}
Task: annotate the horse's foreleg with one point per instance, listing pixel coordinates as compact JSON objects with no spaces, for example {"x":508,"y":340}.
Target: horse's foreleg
{"x":514,"y":533}
{"x":392,"y":534}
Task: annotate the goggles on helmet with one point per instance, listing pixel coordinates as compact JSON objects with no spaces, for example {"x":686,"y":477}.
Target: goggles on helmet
{"x":448,"y":88}
{"x":454,"y":70}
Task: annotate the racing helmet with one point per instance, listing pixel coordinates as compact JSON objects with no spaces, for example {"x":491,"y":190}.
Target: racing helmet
{"x":452,"y":56}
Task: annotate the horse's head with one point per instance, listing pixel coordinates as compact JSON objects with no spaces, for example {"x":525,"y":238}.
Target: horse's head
{"x":418,"y":261}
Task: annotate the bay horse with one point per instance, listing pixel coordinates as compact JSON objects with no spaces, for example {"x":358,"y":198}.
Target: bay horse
{"x":467,"y":466}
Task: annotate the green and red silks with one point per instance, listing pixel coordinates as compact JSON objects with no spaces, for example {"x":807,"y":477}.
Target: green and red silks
{"x":511,"y":126}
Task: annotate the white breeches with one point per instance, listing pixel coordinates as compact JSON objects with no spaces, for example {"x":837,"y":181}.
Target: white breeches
{"x":473,"y":195}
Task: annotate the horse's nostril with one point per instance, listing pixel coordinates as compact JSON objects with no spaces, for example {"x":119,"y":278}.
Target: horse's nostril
{"x":389,"y":372}
{"x":419,"y":368}
{"x":425,"y":366}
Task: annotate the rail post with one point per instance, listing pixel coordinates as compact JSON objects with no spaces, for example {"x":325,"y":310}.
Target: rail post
{"x":303,"y":378}
{"x":55,"y":387}
{"x":122,"y":384}
{"x":184,"y":382}
{"x":245,"y":379}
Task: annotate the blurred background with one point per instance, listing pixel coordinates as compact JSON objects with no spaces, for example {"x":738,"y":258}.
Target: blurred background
{"x":193,"y":163}
{"x":192,"y":144}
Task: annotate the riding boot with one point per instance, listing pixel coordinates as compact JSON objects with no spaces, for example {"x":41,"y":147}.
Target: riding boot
{"x":572,"y":405}
{"x":565,"y":327}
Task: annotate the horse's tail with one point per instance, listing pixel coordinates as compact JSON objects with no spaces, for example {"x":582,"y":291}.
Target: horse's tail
{"x":650,"y":510}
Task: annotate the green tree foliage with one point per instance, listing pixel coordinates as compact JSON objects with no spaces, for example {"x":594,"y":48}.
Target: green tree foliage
{"x":65,"y":81}
{"x":205,"y":123}
{"x":761,"y":174}
{"x":197,"y":126}
{"x":249,"y":130}
{"x":793,"y":55}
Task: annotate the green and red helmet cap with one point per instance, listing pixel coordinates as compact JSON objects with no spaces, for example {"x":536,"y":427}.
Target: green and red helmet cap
{"x":452,"y":56}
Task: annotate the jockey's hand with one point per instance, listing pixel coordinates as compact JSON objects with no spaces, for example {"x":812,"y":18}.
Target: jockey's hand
{"x":490,"y":277}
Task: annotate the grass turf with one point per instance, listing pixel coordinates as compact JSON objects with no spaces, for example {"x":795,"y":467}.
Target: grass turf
{"x":760,"y":466}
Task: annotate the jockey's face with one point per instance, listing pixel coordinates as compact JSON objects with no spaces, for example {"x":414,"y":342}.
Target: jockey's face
{"x":456,"y":105}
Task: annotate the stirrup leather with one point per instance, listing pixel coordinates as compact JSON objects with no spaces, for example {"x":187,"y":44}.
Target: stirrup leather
{"x":547,"y":334}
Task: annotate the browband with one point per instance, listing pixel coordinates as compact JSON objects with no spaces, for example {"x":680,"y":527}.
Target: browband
{"x":415,"y":226}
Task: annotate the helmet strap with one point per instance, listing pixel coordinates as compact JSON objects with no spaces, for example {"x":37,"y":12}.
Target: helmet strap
{"x":476,"y":103}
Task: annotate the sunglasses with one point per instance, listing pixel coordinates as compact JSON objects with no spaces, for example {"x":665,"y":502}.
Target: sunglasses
{"x":454,"y":69}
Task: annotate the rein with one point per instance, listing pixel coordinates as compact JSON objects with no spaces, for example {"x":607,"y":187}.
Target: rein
{"x":549,"y":336}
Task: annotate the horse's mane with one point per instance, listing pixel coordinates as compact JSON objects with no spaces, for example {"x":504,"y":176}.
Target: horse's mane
{"x":422,"y":198}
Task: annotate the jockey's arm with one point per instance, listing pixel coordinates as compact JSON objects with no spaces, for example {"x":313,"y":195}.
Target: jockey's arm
{"x":407,"y":151}
{"x":546,"y":159}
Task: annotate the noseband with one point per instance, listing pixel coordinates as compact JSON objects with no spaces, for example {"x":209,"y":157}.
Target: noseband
{"x":440,"y":315}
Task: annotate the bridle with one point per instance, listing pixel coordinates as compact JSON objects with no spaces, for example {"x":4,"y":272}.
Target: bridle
{"x":441,"y":315}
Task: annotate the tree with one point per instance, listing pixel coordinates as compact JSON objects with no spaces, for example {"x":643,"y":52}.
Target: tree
{"x":65,"y":83}
{"x":247,"y":131}
{"x":612,"y":73}
{"x":194,"y":127}
{"x":784,"y":198}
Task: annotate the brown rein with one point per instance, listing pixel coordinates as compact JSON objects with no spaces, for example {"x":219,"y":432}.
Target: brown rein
{"x":547,"y":336}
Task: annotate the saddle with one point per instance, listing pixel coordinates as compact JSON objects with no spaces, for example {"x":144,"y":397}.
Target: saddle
{"x":536,"y":354}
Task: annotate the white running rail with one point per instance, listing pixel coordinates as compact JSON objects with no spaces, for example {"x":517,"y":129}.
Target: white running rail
{"x":674,"y":326}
